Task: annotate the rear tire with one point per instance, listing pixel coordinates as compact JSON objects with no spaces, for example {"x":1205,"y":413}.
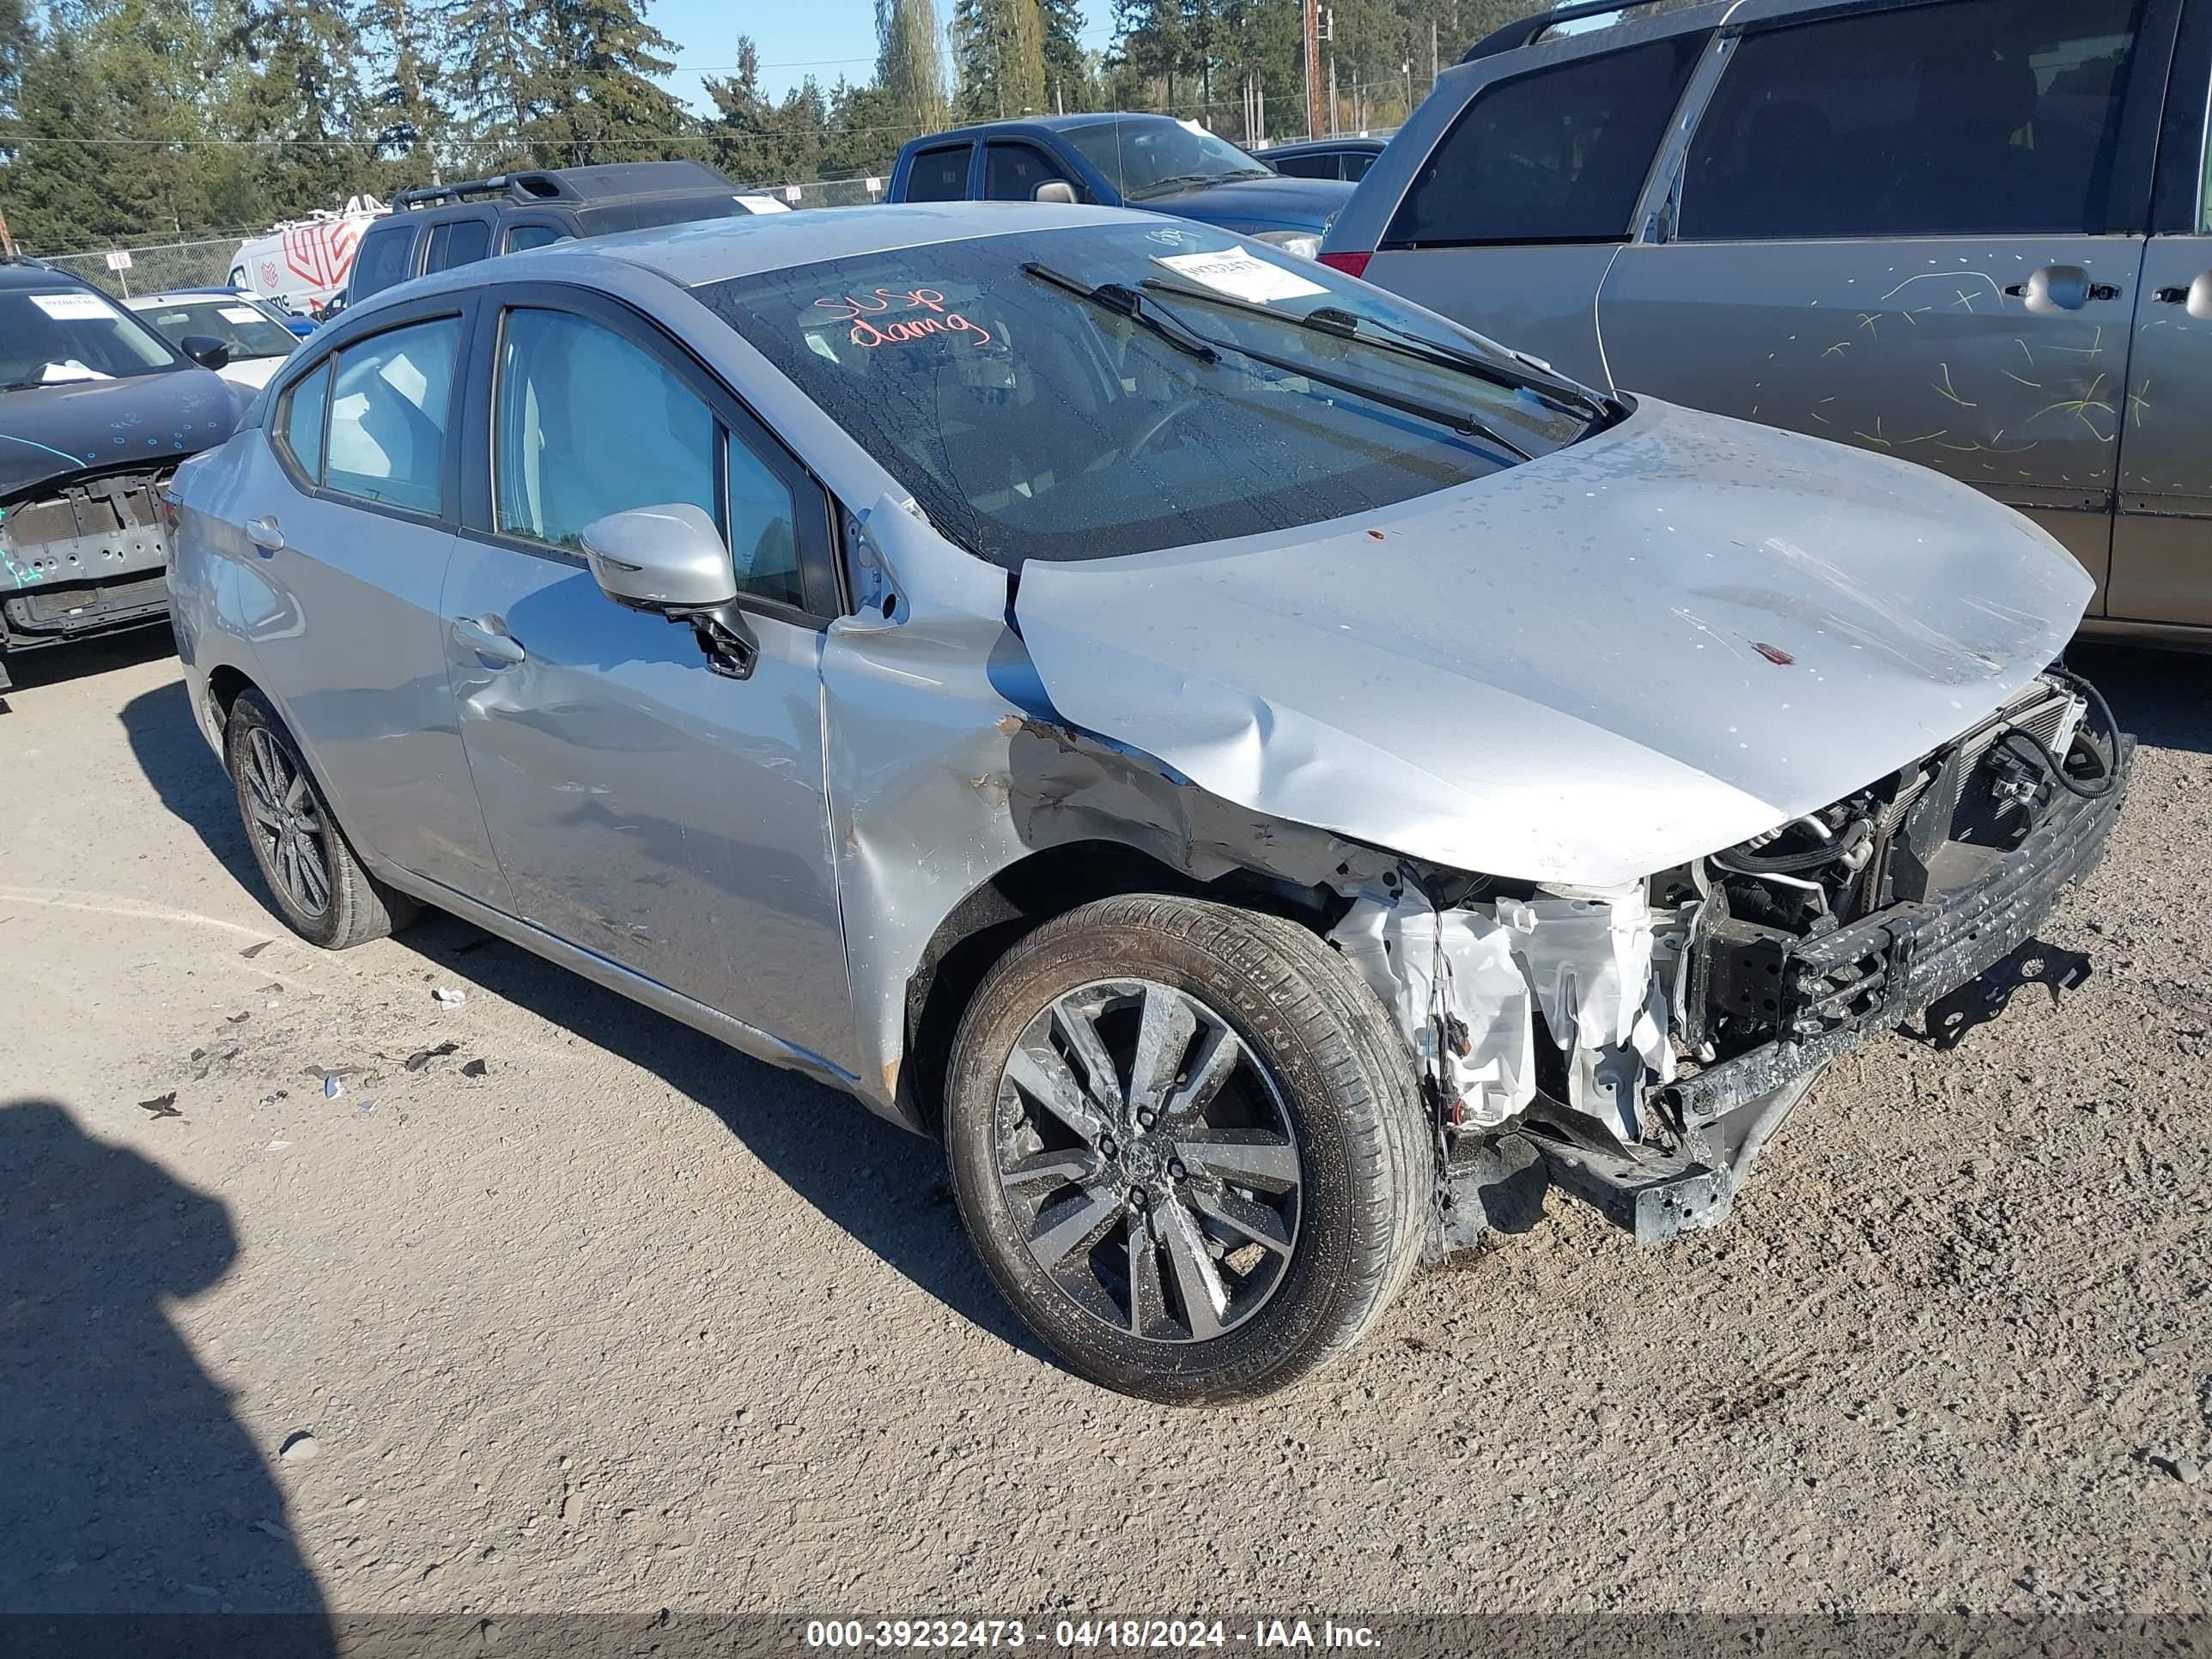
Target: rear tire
{"x":317,"y":883}
{"x":1245,"y":1191}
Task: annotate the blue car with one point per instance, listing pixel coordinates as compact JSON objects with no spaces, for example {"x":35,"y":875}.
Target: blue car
{"x":1150,"y":162}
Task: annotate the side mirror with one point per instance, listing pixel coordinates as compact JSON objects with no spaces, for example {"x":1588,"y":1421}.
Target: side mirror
{"x":1054,"y":190}
{"x":205,"y":350}
{"x":670,"y":560}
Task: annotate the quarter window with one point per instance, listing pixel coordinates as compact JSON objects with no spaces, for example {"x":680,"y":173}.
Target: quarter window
{"x":939,"y":175}
{"x":390,"y":402}
{"x":382,"y":260}
{"x":1982,"y":118}
{"x":519,"y":237}
{"x":1558,"y":155}
{"x":303,"y":426}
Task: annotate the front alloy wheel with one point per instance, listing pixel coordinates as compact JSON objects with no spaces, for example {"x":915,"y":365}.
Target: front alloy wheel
{"x":1185,"y":1141}
{"x":1151,"y":1159}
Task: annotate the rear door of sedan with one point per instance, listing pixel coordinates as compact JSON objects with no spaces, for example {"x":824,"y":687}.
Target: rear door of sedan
{"x":643,"y":806}
{"x":349,"y":524}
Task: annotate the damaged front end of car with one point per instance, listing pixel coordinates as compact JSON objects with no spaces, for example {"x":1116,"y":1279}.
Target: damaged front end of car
{"x":1637,"y":1045}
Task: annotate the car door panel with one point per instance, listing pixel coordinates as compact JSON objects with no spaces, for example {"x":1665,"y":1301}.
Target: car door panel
{"x":1914,"y":348}
{"x":351,"y":629}
{"x":2162,"y":539}
{"x":645,"y":808}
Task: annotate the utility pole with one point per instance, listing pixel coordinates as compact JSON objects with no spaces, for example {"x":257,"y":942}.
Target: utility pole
{"x":1435,"y":63}
{"x":1328,"y":33}
{"x":1313,"y":67}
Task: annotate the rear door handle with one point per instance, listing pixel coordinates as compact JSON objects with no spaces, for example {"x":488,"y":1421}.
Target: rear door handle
{"x":477,"y":633}
{"x":267,"y":537}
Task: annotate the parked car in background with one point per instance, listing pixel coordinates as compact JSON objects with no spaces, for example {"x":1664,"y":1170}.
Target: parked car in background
{"x":303,"y":264}
{"x":1151,"y":162}
{"x":1973,"y":234}
{"x":439,"y":226}
{"x":1252,"y":765}
{"x":96,"y":411}
{"x":255,"y":334}
{"x":1347,"y":158}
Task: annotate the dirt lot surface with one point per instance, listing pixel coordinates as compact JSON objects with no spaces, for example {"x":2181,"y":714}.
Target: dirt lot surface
{"x":626,"y":1321}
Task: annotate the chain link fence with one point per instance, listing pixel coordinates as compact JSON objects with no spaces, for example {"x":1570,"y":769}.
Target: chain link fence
{"x":156,"y":269}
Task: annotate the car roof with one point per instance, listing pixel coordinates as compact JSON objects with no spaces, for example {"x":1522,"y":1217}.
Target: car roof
{"x":1600,"y":16}
{"x":21,"y":273}
{"x":1039,"y":124}
{"x":1324,"y":146}
{"x":171,"y":295}
{"x":713,"y":250}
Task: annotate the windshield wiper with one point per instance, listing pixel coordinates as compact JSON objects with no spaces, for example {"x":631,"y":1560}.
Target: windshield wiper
{"x":1174,"y":181}
{"x":1341,"y":325}
{"x":1127,"y":303}
{"x":1459,"y":421}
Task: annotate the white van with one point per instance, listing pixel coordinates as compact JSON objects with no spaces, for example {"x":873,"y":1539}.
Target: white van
{"x":303,"y":264}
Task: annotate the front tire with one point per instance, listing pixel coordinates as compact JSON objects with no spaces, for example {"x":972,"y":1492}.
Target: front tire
{"x":317,"y":883}
{"x":1187,"y":1142}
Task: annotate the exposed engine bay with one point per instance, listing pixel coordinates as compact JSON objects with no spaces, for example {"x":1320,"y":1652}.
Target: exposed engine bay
{"x":1646,"y":1039}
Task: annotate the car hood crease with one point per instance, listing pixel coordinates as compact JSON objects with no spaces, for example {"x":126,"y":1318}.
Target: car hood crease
{"x":1677,"y":633}
{"x":53,"y":432}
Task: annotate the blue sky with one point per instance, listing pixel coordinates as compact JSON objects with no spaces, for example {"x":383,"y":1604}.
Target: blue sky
{"x":797,"y":37}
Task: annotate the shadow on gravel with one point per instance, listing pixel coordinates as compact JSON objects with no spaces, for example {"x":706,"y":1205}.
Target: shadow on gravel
{"x":167,"y":745}
{"x":885,"y":1186}
{"x":129,"y":1486}
{"x":54,"y":664}
{"x":887,"y":1189}
{"x":2164,"y":697}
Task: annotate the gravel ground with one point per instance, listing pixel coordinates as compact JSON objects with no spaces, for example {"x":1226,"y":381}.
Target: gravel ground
{"x":591,"y":1313}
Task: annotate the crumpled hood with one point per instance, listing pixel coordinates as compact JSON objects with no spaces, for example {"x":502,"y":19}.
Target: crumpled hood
{"x":1645,"y":647}
{"x":49,"y":433}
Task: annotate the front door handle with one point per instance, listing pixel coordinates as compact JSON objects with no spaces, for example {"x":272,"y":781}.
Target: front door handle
{"x":2060,"y":288}
{"x":476,"y":634}
{"x":266,"y":535}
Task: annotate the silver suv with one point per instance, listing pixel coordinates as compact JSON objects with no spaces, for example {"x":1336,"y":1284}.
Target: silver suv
{"x":1973,"y":234}
{"x":1265,"y":775}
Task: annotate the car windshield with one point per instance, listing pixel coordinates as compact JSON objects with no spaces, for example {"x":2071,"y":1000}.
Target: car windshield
{"x":1152,"y":156}
{"x":51,"y":335}
{"x":1031,"y":422}
{"x":245,"y":328}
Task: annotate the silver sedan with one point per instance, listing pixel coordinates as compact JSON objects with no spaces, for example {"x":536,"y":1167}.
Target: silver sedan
{"x":1275,"y":779}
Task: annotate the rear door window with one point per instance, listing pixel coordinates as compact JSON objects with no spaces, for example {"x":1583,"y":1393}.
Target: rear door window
{"x":390,"y":402}
{"x":1982,"y":117}
{"x":1558,"y":155}
{"x":1012,"y":173}
{"x":458,"y":242}
{"x":522,"y":236}
{"x":940,"y":174}
{"x":1308,"y":166}
{"x":382,"y":260}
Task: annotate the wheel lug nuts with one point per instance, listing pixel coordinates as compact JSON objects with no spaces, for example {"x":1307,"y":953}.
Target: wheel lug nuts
{"x":1140,"y":1197}
{"x":1106,"y":1145}
{"x":1176,"y":1169}
{"x":1146,"y":1119}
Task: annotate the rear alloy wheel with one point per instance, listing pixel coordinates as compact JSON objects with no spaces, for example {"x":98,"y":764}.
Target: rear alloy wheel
{"x":1186,"y":1140}
{"x":320,"y":887}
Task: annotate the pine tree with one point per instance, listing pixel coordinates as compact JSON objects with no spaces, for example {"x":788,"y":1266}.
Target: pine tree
{"x":498,"y":64}
{"x":600,"y":104}
{"x":306,"y":103}
{"x":998,"y":47}
{"x":402,"y":94}
{"x":1069,"y":79}
{"x":55,"y":188}
{"x":911,"y":63}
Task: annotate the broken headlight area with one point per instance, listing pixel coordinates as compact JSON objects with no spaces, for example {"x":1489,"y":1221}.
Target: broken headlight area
{"x":83,"y":557}
{"x":1645,"y":1041}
